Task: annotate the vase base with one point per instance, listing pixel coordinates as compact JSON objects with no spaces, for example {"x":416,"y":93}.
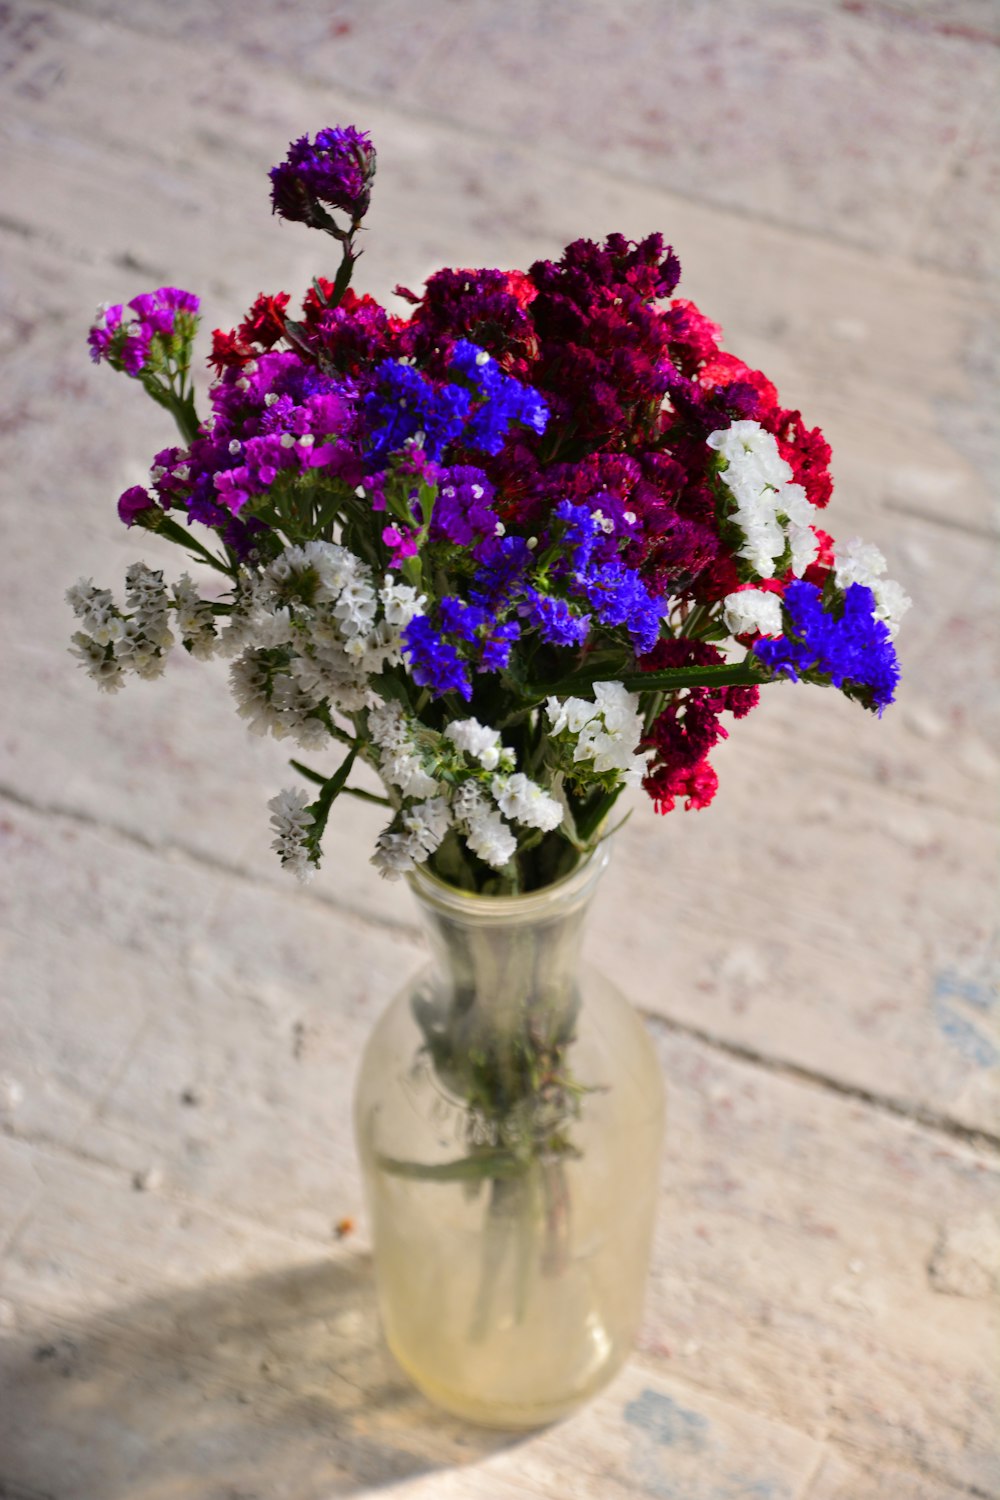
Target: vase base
{"x":508,"y":1416}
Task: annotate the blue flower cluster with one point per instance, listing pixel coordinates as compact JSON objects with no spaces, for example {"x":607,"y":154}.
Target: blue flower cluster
{"x":404,"y":402}
{"x":503,"y":565}
{"x":615,"y":592}
{"x":434,"y":662}
{"x":504,"y":399}
{"x":438,"y":663}
{"x":848,"y":649}
{"x":555,"y":620}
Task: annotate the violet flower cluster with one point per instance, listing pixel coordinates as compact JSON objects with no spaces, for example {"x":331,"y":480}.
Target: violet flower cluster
{"x":517,"y":550}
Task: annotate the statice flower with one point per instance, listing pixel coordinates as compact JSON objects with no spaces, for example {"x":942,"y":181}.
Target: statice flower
{"x":406,"y":405}
{"x":433,"y":662}
{"x":463,"y":510}
{"x":195,"y":619}
{"x":292,"y":822}
{"x":593,"y":570}
{"x":605,"y":734}
{"x":485,"y":831}
{"x":476,"y":740}
{"x":335,"y":170}
{"x":525,"y":802}
{"x":401,"y":762}
{"x":861,"y":562}
{"x":412,"y":837}
{"x":154,"y":327}
{"x":530,"y":479}
{"x":555,"y":620}
{"x":847,"y":646}
{"x":752,"y":611}
{"x":504,"y":399}
{"x":772,"y":512}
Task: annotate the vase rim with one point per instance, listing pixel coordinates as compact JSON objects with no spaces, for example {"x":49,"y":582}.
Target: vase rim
{"x":574,"y":888}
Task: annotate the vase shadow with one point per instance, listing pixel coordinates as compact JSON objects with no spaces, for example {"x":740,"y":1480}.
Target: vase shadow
{"x":272,"y":1386}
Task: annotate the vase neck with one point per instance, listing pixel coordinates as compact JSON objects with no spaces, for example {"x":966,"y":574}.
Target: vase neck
{"x":508,"y":956}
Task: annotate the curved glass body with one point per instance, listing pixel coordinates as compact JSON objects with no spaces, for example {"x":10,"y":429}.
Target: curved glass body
{"x":509,"y":1118}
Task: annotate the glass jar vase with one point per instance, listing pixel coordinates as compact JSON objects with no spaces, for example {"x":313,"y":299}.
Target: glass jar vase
{"x":509,"y":1119}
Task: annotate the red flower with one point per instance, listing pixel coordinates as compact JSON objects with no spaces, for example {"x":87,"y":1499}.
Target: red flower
{"x":264,"y":324}
{"x":725,"y":369}
{"x":808,"y":452}
{"x":819,"y":570}
{"x":228,"y":350}
{"x":697,"y":784}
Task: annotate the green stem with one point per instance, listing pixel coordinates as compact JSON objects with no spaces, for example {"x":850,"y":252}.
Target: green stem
{"x":351,"y":791}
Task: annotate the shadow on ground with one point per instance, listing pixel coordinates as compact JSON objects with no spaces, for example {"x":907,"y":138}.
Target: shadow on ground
{"x":264,"y":1388}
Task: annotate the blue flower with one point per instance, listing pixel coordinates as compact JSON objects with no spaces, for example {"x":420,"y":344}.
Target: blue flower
{"x":850,"y":649}
{"x":503,"y":564}
{"x":433,"y":662}
{"x":505,"y":400}
{"x":616,"y":593}
{"x":618,"y":596}
{"x":497,"y":643}
{"x":404,"y":403}
{"x":554,"y":619}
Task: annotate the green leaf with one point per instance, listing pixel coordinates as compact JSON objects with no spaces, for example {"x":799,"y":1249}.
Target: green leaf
{"x":481,"y":1165}
{"x":670,"y":679}
{"x":343,"y":278}
{"x":320,"y":809}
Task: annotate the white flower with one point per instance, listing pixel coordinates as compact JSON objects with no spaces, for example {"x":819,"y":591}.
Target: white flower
{"x":393,"y":854}
{"x":100,"y":665}
{"x":607,"y":731}
{"x":569,"y":714}
{"x":750,"y":610}
{"x":772,"y":512}
{"x":400,"y":764}
{"x":476,"y":740}
{"x":291,"y":822}
{"x":486,"y":833}
{"x":489,"y":837}
{"x":804,"y":545}
{"x":424,"y":826}
{"x":387,"y":725}
{"x":750,"y":451}
{"x":526,"y":802}
{"x":195,"y":620}
{"x":857,"y":562}
{"x":427,"y":823}
{"x":862,"y":562}
{"x":400,"y":602}
{"x":356,"y":607}
{"x":891,"y":602}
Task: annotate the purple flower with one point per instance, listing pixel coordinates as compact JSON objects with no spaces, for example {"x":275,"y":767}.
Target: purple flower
{"x":103,"y":330}
{"x":132,"y":504}
{"x":335,"y":170}
{"x":167,"y":314}
{"x":497,"y":642}
{"x":503,"y":564}
{"x":463,"y":510}
{"x":158,"y":310}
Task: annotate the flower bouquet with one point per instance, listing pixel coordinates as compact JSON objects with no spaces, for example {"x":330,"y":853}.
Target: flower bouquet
{"x":515,"y":551}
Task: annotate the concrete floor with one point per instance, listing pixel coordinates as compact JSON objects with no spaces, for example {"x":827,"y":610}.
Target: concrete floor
{"x":816,"y":955}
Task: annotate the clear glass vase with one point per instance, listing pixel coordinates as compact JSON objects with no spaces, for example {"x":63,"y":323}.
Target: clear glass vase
{"x":509,"y":1118}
